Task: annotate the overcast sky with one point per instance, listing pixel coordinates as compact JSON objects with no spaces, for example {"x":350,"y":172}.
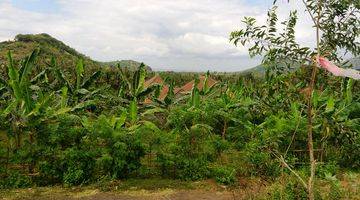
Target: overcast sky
{"x":180,"y":35}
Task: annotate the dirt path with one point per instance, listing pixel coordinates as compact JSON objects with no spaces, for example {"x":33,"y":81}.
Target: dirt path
{"x":141,"y":189}
{"x":166,"y":194}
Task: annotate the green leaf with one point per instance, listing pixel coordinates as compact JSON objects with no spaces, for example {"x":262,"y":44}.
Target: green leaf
{"x":349,"y":95}
{"x":195,"y":98}
{"x":330,"y":104}
{"x":61,"y":111}
{"x":153,"y":111}
{"x":147,"y":91}
{"x":79,"y":73}
{"x":133,"y":127}
{"x":40,"y":105}
{"x":82,"y":91}
{"x":83,"y":105}
{"x":206,"y":84}
{"x":29,"y":64}
{"x":139,"y":79}
{"x":14,"y":78}
{"x":91,"y":79}
{"x":120,"y":121}
{"x":170,"y":96}
{"x":61,"y":76}
{"x":205,"y":127}
{"x":151,"y":126}
{"x":4,"y":83}
{"x":64,"y":97}
{"x":9,"y":109}
{"x":37,"y":77}
{"x":133,"y":109}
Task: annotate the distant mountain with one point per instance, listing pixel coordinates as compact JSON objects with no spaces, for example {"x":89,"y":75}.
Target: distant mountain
{"x":257,"y":69}
{"x":66,"y":56}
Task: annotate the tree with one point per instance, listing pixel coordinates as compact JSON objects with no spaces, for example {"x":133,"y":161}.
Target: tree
{"x":337,"y":27}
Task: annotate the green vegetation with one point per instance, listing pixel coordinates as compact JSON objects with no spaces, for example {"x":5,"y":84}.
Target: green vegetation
{"x":54,"y":132}
{"x":297,"y":129}
{"x":50,"y":47}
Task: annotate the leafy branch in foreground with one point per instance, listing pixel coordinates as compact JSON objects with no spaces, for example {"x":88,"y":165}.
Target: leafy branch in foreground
{"x":337,"y":28}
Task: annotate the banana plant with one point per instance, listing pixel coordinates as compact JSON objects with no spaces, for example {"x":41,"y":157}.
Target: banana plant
{"x":135,"y":88}
{"x":206,"y":91}
{"x":79,"y":92}
{"x":195,"y":94}
{"x":169,"y":99}
{"x":28,"y":105}
{"x":170,"y":96}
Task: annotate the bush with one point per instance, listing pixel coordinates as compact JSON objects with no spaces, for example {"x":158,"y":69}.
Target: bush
{"x":50,"y":171}
{"x":329,"y":168}
{"x":292,"y":190}
{"x":79,"y":166}
{"x":192,"y":169}
{"x":261,"y":163}
{"x":74,"y":177}
{"x":224,"y":175}
{"x":127,"y":152}
{"x":15,"y":180}
{"x":336,"y":191}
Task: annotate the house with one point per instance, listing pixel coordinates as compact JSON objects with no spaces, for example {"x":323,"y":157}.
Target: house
{"x":178,"y":91}
{"x":188,"y":86}
{"x":156,"y":80}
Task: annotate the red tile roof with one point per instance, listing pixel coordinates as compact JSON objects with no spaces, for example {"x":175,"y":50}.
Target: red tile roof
{"x":188,"y":86}
{"x":184,"y":89}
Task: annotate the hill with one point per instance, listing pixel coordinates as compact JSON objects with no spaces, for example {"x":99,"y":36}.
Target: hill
{"x":259,"y":69}
{"x":49,"y":46}
{"x":130,"y":64}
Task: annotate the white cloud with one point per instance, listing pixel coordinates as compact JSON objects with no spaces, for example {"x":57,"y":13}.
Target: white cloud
{"x":160,"y":32}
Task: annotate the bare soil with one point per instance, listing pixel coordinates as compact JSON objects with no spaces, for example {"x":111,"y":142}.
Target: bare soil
{"x":166,"y":194}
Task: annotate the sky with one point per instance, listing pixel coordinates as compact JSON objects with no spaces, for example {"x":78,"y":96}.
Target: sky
{"x":179,"y":35}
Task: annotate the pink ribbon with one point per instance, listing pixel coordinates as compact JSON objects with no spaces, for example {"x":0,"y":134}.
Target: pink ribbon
{"x":337,"y":71}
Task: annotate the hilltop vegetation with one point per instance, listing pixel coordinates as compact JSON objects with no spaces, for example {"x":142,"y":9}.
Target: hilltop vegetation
{"x":50,"y":47}
{"x":130,"y":64}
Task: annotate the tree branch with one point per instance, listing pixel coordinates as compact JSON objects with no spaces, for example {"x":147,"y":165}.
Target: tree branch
{"x":308,"y":10}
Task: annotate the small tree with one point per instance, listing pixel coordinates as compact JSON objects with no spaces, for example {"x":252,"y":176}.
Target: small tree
{"x":337,"y":27}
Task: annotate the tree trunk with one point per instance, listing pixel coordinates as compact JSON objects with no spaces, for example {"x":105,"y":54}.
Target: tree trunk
{"x":316,"y":20}
{"x":32,"y":162}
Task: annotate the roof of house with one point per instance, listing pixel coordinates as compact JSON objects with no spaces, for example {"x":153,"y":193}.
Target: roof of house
{"x":188,"y":86}
{"x":157,"y":80}
{"x":178,"y":90}
{"x":154,"y":80}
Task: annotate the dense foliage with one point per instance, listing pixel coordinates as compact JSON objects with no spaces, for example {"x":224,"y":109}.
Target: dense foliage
{"x":65,"y":130}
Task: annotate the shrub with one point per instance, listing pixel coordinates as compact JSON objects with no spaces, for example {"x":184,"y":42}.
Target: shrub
{"x":224,"y":175}
{"x":15,"y":180}
{"x":79,"y":166}
{"x":329,"y":168}
{"x":290,"y":191}
{"x":192,"y":169}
